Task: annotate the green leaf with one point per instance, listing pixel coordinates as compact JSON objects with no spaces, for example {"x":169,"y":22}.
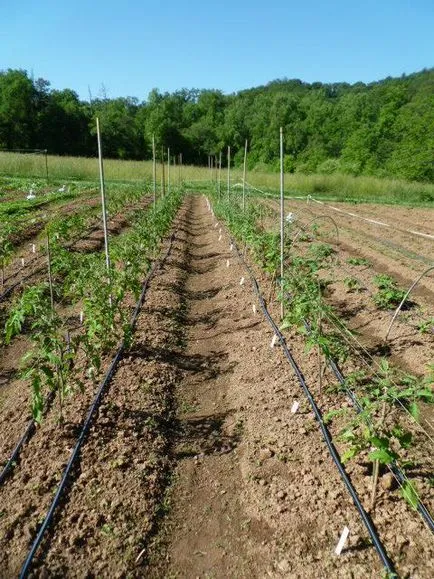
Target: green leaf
{"x":349,"y":454}
{"x":379,"y":442}
{"x":414,"y":410}
{"x":383,"y":456}
{"x":408,"y":492}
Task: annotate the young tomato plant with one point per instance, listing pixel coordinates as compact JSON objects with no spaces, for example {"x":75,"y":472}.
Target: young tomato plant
{"x":389,"y":295}
{"x":47,"y":366}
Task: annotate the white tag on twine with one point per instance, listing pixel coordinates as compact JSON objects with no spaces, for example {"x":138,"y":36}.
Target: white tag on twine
{"x":342,"y":540}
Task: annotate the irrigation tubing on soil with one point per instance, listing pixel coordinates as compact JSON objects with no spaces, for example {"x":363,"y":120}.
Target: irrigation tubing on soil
{"x":28,"y":433}
{"x":86,"y":426}
{"x":369,"y":524}
{"x":15,"y":453}
{"x":397,"y":472}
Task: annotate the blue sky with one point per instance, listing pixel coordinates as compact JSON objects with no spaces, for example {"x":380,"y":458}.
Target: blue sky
{"x":132,"y":46}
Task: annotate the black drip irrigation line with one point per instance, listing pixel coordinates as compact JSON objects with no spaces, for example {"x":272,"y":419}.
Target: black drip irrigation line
{"x":10,"y":289}
{"x":369,"y":524}
{"x":423,"y":511}
{"x":397,"y":472}
{"x":86,"y":426}
{"x":28,"y":433}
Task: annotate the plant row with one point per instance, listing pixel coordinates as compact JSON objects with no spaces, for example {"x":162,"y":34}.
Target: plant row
{"x":378,"y":432}
{"x":61,"y":359}
{"x":64,"y":228}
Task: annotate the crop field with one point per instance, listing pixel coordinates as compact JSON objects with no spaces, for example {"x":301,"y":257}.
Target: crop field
{"x":160,"y":417}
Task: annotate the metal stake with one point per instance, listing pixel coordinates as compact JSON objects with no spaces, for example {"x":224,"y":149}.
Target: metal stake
{"x":229,"y":171}
{"x":103,"y":199}
{"x":154,"y":169}
{"x":168,"y":170}
{"x":244,"y":176}
{"x":282,"y":223}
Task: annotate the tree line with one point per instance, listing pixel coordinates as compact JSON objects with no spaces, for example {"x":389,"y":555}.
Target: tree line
{"x":384,"y":128}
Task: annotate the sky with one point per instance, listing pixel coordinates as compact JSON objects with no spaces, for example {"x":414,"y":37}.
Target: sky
{"x":128,"y":47}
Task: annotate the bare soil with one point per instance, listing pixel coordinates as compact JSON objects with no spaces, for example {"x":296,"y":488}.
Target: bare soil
{"x":195,"y":465}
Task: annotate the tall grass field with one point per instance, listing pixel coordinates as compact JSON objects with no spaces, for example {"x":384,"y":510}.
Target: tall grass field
{"x":331,"y":187}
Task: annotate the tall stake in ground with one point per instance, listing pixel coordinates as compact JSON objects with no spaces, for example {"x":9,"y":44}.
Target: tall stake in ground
{"x":46,"y":163}
{"x":103,"y":200}
{"x":168,"y":170}
{"x":50,"y":277}
{"x":154,"y":170}
{"x":229,"y":172}
{"x":244,"y":176}
{"x":163,"y":176}
{"x":219,"y":180}
{"x":282,"y":224}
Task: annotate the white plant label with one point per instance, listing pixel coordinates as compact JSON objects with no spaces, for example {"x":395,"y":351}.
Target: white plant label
{"x":220,"y":230}
{"x":227,"y":263}
{"x":220,"y":237}
{"x":242,"y":281}
{"x":22,"y":262}
{"x":33,"y":248}
{"x":231,"y":247}
{"x":295,"y":407}
{"x":254,"y":308}
{"x":216,"y":225}
{"x":342,"y":540}
{"x":81,"y":317}
{"x":273,"y":341}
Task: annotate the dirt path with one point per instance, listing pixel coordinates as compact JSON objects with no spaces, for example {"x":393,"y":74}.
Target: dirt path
{"x":195,"y":466}
{"x":244,"y":502}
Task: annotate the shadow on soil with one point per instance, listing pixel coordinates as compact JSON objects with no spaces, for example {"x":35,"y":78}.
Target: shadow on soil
{"x":204,"y":435}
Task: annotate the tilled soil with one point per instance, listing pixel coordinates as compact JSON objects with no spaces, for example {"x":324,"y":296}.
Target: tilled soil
{"x":14,"y":394}
{"x":195,"y":465}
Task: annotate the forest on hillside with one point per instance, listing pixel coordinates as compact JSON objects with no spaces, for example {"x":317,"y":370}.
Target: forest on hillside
{"x":384,"y":128}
